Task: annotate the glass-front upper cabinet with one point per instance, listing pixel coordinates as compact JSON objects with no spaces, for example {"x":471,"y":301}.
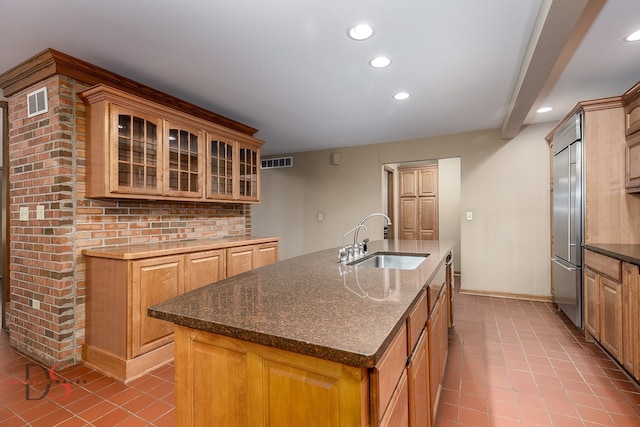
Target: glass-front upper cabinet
{"x":184,"y":169}
{"x":249,"y":160}
{"x":138,"y":149}
{"x":138,"y":152}
{"x":219,"y":168}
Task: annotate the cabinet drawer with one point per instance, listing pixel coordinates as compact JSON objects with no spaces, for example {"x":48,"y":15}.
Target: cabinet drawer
{"x":603,"y":264}
{"x":385,"y":375}
{"x":417,"y":321}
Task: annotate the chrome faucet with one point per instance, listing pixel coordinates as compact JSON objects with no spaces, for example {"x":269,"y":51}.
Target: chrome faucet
{"x":347,"y":252}
{"x":355,"y":234}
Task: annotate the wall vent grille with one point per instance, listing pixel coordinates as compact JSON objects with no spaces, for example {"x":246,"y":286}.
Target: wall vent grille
{"x":37,"y":102}
{"x":276,"y":162}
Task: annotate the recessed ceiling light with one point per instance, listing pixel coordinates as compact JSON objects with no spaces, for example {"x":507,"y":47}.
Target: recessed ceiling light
{"x":401,"y":95}
{"x":544,"y":109}
{"x":360,"y":31}
{"x":633,"y":37}
{"x":380,"y":62}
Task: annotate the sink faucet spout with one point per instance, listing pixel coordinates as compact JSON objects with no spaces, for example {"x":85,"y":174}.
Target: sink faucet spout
{"x":355,"y":234}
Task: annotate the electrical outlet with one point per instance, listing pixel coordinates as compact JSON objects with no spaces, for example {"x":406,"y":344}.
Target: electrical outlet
{"x":35,"y":304}
{"x":40,"y":212}
{"x":24,"y":213}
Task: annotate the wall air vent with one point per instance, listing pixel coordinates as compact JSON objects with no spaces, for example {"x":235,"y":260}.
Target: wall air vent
{"x":277,"y":162}
{"x":37,"y":102}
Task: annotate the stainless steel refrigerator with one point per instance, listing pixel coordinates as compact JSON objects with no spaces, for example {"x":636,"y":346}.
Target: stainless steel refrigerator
{"x":568,"y":218}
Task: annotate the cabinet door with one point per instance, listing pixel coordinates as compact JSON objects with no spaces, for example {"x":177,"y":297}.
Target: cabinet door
{"x":135,"y":152}
{"x":611,"y":316}
{"x":248,"y":172}
{"x":591,"y":298}
{"x":154,"y":280}
{"x":397,"y":414}
{"x":428,"y":181}
{"x":239,"y":260}
{"x":408,"y":183}
{"x":630,"y":300}
{"x":428,"y":218}
{"x":632,"y":171}
{"x":418,"y":384}
{"x":408,"y":219}
{"x":203,"y":268}
{"x":435,"y":356}
{"x":229,"y":382}
{"x":219,"y":176}
{"x":266,"y":254}
{"x":183,"y":168}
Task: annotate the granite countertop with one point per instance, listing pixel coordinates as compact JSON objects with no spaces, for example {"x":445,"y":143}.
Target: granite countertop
{"x":624,"y":251}
{"x":313,"y":304}
{"x":145,"y":250}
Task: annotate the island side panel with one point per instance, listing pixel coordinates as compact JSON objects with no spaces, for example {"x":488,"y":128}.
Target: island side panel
{"x":225,"y":381}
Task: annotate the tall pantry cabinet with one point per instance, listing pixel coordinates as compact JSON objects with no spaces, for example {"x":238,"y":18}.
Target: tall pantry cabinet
{"x":418,"y":203}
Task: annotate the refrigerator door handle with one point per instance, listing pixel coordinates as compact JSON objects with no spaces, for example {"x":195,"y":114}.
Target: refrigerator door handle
{"x":562,"y":264}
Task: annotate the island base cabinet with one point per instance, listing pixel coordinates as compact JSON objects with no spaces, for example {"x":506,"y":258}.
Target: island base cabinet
{"x":222,"y":381}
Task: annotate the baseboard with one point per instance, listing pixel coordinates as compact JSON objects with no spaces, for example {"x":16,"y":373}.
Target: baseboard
{"x":541,"y":298}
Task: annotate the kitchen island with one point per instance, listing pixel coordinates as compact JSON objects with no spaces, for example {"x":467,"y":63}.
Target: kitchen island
{"x":311,"y":341}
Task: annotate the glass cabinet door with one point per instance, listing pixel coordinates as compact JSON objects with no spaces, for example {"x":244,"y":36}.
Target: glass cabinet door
{"x":220,"y":168}
{"x":183,"y":161}
{"x":248,"y":167}
{"x":137,"y":153}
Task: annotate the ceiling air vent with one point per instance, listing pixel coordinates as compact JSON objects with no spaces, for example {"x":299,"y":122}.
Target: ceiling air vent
{"x":37,"y":102}
{"x":277,"y":162}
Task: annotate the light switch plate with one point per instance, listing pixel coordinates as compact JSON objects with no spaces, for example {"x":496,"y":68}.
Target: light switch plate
{"x":469,"y":216}
{"x":40,"y":212}
{"x":24,"y":213}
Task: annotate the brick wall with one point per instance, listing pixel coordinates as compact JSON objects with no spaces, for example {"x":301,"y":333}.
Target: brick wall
{"x":47,"y":167}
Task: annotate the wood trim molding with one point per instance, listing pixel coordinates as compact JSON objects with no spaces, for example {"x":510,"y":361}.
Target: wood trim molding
{"x":592,"y":105}
{"x":50,"y":62}
{"x":508,"y":295}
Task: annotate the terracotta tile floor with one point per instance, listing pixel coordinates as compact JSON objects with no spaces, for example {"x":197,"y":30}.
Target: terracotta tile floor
{"x":520,"y":363}
{"x":511,"y":363}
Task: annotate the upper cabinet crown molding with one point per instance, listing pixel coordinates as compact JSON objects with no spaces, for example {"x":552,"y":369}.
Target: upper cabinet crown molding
{"x":50,"y":62}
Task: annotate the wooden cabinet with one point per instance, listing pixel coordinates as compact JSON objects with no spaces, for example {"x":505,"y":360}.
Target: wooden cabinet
{"x":183,"y":169}
{"x":245,"y":258}
{"x":203,"y":268}
{"x":229,"y":381}
{"x":232,"y":168}
{"x":138,"y":149}
{"x":611,"y":316}
{"x":418,"y":384}
{"x":632,"y":128}
{"x":434,"y":327}
{"x":631,"y":319}
{"x":121,"y":340}
{"x":603,"y":301}
{"x":418,"y":203}
{"x":386,"y":375}
{"x":154,"y":280}
{"x":591,"y":305}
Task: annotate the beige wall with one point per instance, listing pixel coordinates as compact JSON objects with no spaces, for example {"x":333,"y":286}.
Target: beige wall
{"x":504,"y":249}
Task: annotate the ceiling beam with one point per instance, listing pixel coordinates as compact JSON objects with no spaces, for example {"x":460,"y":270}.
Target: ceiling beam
{"x":553,"y":28}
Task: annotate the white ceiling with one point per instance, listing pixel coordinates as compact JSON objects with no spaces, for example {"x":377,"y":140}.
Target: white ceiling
{"x":287,"y":68}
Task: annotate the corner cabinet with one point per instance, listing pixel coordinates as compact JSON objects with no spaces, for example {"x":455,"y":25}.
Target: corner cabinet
{"x":121,"y":341}
{"x":138,"y":149}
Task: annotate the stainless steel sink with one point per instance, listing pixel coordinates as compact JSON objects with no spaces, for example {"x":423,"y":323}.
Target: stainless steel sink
{"x":391,"y":260}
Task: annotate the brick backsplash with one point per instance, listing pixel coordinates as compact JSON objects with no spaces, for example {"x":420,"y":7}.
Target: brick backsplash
{"x":47,"y":167}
